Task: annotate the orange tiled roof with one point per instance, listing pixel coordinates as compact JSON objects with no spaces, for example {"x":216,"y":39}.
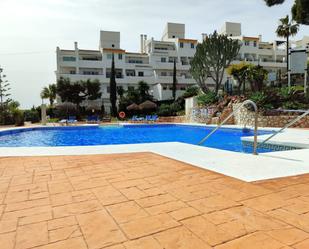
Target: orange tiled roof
{"x":249,"y":38}
{"x":187,"y":40}
{"x":114,"y":50}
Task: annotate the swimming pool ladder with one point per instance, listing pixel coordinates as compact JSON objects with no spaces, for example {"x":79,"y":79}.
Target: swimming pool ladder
{"x":305,"y":113}
{"x":246,"y":102}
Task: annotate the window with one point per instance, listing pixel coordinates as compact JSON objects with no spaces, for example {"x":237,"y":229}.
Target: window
{"x":72,"y":72}
{"x":130,"y":73}
{"x":182,"y":88}
{"x":163,"y":59}
{"x":192,"y":45}
{"x":254,"y":43}
{"x":163,"y":73}
{"x":109,"y":56}
{"x":108,"y":89}
{"x":119,"y":56}
{"x":173,"y":36}
{"x":165,"y":88}
{"x":181,"y":44}
{"x":141,"y":74}
{"x":69,"y":58}
{"x":247,"y":43}
{"x":118,"y":74}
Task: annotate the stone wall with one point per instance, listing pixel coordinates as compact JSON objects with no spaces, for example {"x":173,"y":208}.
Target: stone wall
{"x":176,"y":119}
{"x":246,"y":117}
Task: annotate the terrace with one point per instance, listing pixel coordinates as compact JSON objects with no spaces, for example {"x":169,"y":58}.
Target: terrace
{"x":144,"y":200}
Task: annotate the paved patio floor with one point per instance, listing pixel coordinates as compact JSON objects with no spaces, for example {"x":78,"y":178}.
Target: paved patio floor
{"x":145,"y":201}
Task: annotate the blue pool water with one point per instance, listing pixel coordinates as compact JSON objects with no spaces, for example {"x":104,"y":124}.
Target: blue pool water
{"x":226,"y":139}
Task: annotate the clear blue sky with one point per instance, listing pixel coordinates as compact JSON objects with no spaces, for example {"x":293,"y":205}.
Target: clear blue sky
{"x":32,"y":29}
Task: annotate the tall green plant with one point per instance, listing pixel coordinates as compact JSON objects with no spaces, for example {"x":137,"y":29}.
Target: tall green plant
{"x":113,"y":89}
{"x":77,"y":92}
{"x":174,"y":80}
{"x":239,"y":72}
{"x":300,"y":10}
{"x":286,"y":29}
{"x":211,"y":58}
{"x":49,"y":92}
{"x":4,"y":97}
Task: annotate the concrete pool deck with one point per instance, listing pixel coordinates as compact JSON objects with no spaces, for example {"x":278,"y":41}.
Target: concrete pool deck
{"x":239,"y":165}
{"x":145,"y":201}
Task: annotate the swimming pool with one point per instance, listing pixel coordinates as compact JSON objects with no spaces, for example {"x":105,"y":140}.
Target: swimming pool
{"x":225,"y":138}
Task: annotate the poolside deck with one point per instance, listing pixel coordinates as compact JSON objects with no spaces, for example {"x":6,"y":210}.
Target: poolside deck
{"x":146,"y":201}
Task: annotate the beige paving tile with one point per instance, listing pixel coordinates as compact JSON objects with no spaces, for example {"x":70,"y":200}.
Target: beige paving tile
{"x":76,"y":208}
{"x":142,"y":243}
{"x":31,"y":235}
{"x":74,"y":243}
{"x":148,"y":225}
{"x":126,"y":211}
{"x":180,"y":238}
{"x":99,"y":229}
{"x":7,"y":240}
{"x":213,"y":203}
{"x":109,"y":195}
{"x":253,"y":241}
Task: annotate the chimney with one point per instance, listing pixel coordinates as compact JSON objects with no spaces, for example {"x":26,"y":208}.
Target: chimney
{"x":260,"y":38}
{"x":142,"y":44}
{"x":75,"y":45}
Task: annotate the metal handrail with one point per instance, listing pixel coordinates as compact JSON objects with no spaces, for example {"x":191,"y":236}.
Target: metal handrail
{"x":233,"y":113}
{"x":286,"y":126}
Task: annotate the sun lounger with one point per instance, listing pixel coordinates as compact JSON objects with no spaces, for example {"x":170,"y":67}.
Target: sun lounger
{"x":93,"y":119}
{"x":72,"y":120}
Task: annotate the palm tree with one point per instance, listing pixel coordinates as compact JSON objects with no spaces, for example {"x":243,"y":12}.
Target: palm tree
{"x":286,"y":29}
{"x":49,"y":92}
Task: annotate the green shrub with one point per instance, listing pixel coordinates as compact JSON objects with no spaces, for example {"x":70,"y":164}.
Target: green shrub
{"x":191,"y":91}
{"x":207,"y":98}
{"x":262,"y":100}
{"x":32,"y":115}
{"x":169,"y":110}
{"x":18,"y":116}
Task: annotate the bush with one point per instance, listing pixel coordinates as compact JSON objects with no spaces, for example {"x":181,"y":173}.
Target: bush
{"x":191,"y":91}
{"x":18,"y":116}
{"x":207,"y":98}
{"x":32,"y":115}
{"x":262,"y":100}
{"x":169,"y":110}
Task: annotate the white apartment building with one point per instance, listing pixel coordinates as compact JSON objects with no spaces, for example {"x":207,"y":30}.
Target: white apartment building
{"x":154,"y":62}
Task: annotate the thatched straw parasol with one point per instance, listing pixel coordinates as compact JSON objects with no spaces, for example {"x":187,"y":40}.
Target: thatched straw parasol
{"x":148,"y":105}
{"x":66,"y":106}
{"x":133,"y":107}
{"x":93,"y":106}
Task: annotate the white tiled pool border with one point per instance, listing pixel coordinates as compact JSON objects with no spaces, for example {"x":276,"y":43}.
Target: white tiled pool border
{"x":246,"y":167}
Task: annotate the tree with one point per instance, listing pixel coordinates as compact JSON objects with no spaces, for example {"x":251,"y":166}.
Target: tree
{"x":79,"y":91}
{"x":49,"y":92}
{"x":174,"y":81}
{"x":113,"y":89}
{"x":286,"y":29}
{"x":300,"y":10}
{"x":256,"y":75}
{"x":239,"y":72}
{"x":211,"y":58}
{"x":143,"y":91}
{"x":120,"y":91}
{"x":4,"y":98}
